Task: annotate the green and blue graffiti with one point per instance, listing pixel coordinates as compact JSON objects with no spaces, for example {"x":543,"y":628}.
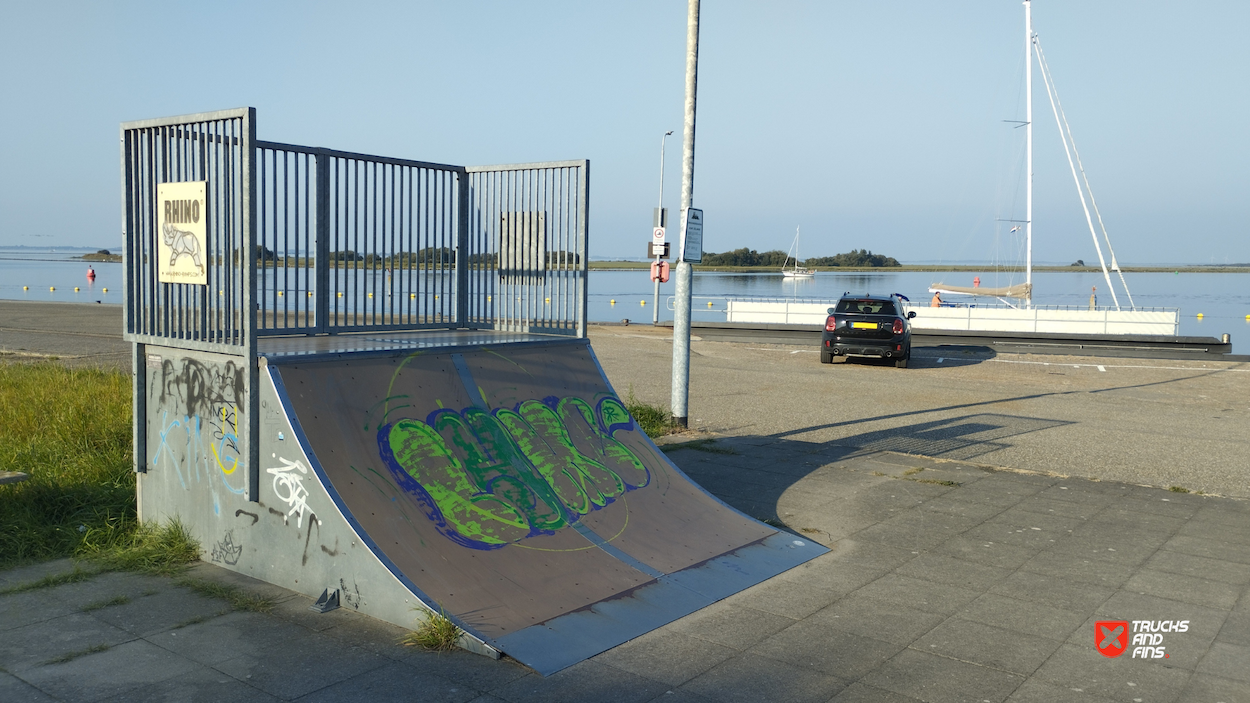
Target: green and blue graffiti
{"x":490,"y":478}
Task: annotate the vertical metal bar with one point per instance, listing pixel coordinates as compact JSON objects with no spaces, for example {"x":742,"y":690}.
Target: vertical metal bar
{"x":583,"y":236}
{"x":287,"y":211}
{"x":353,"y":298}
{"x":373,"y":245}
{"x":461,"y":314}
{"x":321,"y":260}
{"x":248,"y":187}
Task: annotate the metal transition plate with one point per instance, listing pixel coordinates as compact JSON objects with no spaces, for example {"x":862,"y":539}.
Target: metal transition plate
{"x":509,"y":487}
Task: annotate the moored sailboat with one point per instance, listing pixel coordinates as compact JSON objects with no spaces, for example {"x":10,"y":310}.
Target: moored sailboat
{"x":797,"y":271}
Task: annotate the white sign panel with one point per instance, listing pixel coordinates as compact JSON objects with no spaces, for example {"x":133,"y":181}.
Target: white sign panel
{"x":657,"y":235}
{"x":182,"y":232}
{"x":692,"y":236}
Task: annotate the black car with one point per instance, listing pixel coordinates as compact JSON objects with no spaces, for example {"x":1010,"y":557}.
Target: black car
{"x":870,"y":326}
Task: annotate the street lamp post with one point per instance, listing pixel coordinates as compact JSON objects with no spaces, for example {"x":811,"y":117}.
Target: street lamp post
{"x":659,"y":222}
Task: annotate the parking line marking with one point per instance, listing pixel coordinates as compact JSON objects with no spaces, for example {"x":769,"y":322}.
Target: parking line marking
{"x":1102,"y":369}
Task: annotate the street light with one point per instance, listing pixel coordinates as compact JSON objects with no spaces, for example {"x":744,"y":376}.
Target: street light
{"x":659,"y":222}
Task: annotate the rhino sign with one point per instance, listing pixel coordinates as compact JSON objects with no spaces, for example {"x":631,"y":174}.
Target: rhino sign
{"x":182,"y":243}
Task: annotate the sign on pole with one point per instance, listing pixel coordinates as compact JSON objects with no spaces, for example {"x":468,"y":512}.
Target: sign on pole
{"x":657,"y":235}
{"x":181,"y":239}
{"x":692,"y":236}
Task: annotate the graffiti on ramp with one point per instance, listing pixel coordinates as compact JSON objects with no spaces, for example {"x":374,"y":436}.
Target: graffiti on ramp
{"x":487,"y":479}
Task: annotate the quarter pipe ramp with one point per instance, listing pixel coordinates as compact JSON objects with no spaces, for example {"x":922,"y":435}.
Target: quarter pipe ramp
{"x":503,"y":485}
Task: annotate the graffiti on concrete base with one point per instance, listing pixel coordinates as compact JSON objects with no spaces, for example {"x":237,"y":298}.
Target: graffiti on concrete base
{"x":288,"y":485}
{"x":487,"y":479}
{"x":226,"y":551}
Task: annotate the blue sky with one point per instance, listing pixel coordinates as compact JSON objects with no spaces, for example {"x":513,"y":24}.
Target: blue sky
{"x":873,"y":125}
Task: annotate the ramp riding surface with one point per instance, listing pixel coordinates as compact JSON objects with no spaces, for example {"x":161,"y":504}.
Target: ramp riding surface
{"x":508,"y":486}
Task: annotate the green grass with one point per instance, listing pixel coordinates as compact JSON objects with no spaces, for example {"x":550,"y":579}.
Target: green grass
{"x":1178,"y":489}
{"x":655,"y":420}
{"x":437,"y":633}
{"x":97,"y":605}
{"x":75,"y":576}
{"x":699,"y":445}
{"x":164,"y":550}
{"x":238,"y":598}
{"x":70,"y":430}
{"x":80,"y":653}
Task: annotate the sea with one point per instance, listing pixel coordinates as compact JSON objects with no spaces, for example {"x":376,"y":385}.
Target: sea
{"x":1222,"y":299}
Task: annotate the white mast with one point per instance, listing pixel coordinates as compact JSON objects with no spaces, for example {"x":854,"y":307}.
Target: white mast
{"x":1028,"y":131}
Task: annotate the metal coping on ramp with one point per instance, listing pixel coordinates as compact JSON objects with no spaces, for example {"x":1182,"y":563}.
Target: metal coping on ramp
{"x":506,"y":486}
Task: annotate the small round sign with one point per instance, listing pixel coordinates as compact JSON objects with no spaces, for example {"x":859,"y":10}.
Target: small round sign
{"x":658,"y":234}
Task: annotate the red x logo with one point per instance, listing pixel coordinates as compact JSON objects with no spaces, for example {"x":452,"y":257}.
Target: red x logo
{"x":1111,"y":636}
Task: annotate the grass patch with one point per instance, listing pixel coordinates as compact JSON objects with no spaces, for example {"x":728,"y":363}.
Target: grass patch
{"x":1178,"y":489}
{"x":75,"y":576}
{"x":438,"y":633}
{"x":912,"y":472}
{"x":936,"y":482}
{"x":198,"y":619}
{"x":772,"y":522}
{"x":164,"y":550}
{"x":69,"y":429}
{"x":238,"y":598}
{"x":709,"y":446}
{"x":655,"y":420}
{"x":699,"y":445}
{"x":119,"y":600}
{"x":71,"y":656}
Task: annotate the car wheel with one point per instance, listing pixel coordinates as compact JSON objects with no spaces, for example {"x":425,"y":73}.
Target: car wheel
{"x":826,"y":357}
{"x":900,"y":363}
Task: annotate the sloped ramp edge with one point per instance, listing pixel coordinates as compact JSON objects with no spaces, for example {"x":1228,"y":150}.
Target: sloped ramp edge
{"x":568,"y":639}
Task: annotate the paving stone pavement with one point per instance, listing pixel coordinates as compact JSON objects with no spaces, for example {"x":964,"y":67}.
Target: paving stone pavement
{"x":947,"y":581}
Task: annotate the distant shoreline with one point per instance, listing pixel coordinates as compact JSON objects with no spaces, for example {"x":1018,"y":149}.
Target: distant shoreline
{"x":637,"y":265}
{"x":96,"y":257}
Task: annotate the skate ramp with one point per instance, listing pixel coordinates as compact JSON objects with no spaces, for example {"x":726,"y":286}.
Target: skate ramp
{"x":509,"y":487}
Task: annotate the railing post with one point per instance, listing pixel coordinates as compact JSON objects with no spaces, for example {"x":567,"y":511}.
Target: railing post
{"x":321,"y":262}
{"x":583,"y":249}
{"x":462,"y":249}
{"x":252,"y":313}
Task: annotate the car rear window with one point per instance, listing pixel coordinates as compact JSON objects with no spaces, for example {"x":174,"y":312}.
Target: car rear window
{"x":867,"y":307}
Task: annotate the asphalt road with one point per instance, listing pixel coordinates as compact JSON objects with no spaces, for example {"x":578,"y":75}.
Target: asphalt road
{"x":1151,"y":422}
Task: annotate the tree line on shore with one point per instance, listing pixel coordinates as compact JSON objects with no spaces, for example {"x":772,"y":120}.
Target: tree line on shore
{"x":858,"y":258}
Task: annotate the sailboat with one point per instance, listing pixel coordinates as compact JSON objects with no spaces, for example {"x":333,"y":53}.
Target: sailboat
{"x":1024,"y":291}
{"x":797,"y":271}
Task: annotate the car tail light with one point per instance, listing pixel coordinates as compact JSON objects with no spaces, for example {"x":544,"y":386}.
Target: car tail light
{"x":898,"y":326}
{"x":831,"y":323}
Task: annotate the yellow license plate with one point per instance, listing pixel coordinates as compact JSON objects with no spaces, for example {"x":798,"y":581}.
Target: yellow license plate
{"x":864,"y":325}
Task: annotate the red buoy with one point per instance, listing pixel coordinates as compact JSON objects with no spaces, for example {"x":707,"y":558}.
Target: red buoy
{"x":90,"y":274}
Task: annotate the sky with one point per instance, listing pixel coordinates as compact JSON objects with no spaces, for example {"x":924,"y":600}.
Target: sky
{"x":872,"y":125}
